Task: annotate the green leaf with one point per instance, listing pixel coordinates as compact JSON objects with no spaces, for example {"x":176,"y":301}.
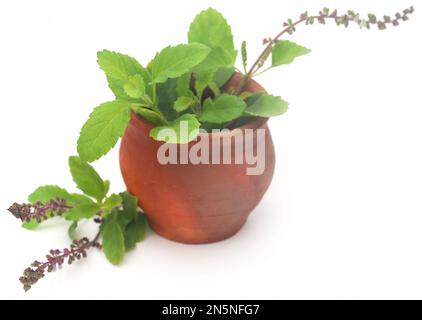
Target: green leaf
{"x":202,"y":79}
{"x":118,"y":68}
{"x":225,"y":108}
{"x":72,"y":230}
{"x":78,"y":199}
{"x":46,"y":193}
{"x":172,"y":62}
{"x":117,"y":87}
{"x":183,"y":86}
{"x":263,"y":105}
{"x":284,"y":52}
{"x":49,"y":192}
{"x":171,"y":133}
{"x":104,"y":127}
{"x":130,"y":208}
{"x":131,"y":222}
{"x":149,"y":115}
{"x":86,"y":178}
{"x":135,"y":86}
{"x":82,"y":211}
{"x":31,"y":225}
{"x":118,"y":65}
{"x":222,"y":75}
{"x":182,"y":103}
{"x":135,"y":231}
{"x":112,"y":201}
{"x":211,"y":29}
{"x":214,"y":88}
{"x":217,"y":58}
{"x":113,"y":240}
{"x":167,"y":95}
{"x":106,"y":186}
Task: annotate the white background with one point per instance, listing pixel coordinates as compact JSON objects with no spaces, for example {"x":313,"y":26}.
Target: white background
{"x":343,"y":216}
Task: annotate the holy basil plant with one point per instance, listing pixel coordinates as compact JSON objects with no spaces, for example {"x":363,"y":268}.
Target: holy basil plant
{"x":171,"y":88}
{"x":182,"y":83}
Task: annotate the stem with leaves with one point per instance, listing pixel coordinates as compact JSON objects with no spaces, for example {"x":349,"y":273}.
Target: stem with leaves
{"x":324,"y":15}
{"x":121,"y":224}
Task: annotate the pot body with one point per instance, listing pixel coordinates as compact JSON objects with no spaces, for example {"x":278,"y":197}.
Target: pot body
{"x":195,"y":203}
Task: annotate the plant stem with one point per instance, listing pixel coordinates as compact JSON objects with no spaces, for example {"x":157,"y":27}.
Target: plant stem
{"x":269,"y":46}
{"x":275,"y":39}
{"x":290,"y":27}
{"x":262,"y":71}
{"x":94,"y":241}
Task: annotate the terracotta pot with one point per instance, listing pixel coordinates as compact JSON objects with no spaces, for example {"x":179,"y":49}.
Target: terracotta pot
{"x":194,"y":203}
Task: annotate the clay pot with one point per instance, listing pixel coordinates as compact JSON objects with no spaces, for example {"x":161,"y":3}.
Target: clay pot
{"x":194,"y":203}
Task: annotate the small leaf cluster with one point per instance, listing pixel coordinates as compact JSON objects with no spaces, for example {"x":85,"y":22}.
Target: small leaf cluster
{"x":118,"y":214}
{"x":121,"y":223}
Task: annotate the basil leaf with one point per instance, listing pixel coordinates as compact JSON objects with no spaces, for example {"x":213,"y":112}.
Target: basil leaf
{"x":135,"y":86}
{"x":82,"y":211}
{"x":264,"y":105}
{"x":225,"y":108}
{"x":172,"y":62}
{"x":183,"y":86}
{"x":130,"y":208}
{"x":211,"y":29}
{"x":222,"y":75}
{"x":86,"y":178}
{"x":119,"y":67}
{"x":104,"y":127}
{"x":284,"y":52}
{"x":46,"y":193}
{"x":182,"y":130}
{"x":182,"y":103}
{"x":135,"y":231}
{"x":167,"y":95}
{"x":113,"y":239}
{"x":149,"y":115}
{"x":112,"y":201}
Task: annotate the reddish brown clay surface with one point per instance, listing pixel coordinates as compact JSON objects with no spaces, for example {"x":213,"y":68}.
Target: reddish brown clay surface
{"x":193,"y":203}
